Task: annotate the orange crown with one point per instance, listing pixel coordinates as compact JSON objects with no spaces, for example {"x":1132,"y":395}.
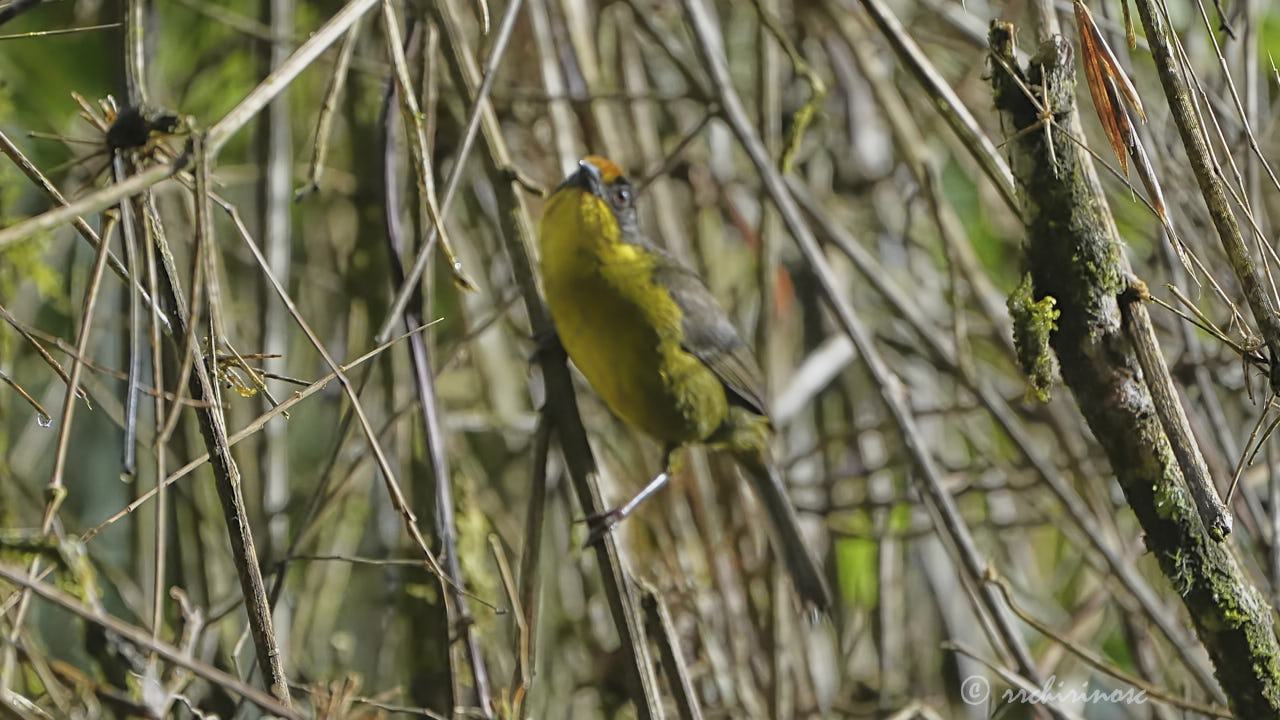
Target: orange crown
{"x":609,"y":171}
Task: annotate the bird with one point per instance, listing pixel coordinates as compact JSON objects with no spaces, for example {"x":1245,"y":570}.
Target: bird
{"x":656,"y":346}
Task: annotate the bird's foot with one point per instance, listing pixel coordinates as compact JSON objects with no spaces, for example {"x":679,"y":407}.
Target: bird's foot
{"x":602,"y":524}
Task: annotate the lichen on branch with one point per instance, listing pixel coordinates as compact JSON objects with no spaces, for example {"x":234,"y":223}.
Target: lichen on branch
{"x":1033,"y":322}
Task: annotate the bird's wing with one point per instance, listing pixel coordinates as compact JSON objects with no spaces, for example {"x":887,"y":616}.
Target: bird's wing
{"x":710,"y":336}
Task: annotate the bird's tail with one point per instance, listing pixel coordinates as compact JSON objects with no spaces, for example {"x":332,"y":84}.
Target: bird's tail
{"x":806,"y":575}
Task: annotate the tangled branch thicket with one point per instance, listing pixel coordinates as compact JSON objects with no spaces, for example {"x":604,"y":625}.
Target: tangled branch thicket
{"x":283,"y":258}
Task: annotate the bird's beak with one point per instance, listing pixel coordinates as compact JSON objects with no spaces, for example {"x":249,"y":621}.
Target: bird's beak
{"x":586,"y":177}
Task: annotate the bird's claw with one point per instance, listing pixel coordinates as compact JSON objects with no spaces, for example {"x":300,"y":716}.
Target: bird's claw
{"x":600,"y":525}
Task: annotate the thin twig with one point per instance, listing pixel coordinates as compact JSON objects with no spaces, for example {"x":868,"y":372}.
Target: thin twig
{"x":284,"y":74}
{"x":226,"y":472}
{"x":140,"y":638}
{"x":663,"y":631}
{"x":128,"y":230}
{"x":398,"y":499}
{"x":1097,"y":662}
{"x":949,"y":105}
{"x":1173,"y":418}
{"x":1211,"y":184}
{"x":93,"y":202}
{"x":531,"y":563}
{"x":244,"y":432}
{"x":324,"y":122}
{"x":66,"y":31}
{"x":887,"y":382}
{"x":55,"y":490}
{"x":480,"y":101}
{"x":456,"y":609}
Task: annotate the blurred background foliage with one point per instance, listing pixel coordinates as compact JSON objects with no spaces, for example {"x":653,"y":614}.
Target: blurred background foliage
{"x":584,"y":77}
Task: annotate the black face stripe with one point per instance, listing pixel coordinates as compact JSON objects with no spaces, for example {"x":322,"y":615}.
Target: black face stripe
{"x":591,"y":171}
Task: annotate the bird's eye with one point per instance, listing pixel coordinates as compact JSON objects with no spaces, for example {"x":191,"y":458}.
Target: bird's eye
{"x":621,"y":196}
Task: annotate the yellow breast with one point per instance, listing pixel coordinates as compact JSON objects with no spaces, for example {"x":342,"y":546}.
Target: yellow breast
{"x":622,"y":330}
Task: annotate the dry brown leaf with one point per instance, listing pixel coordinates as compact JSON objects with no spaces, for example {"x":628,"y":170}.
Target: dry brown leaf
{"x":1095,"y":76}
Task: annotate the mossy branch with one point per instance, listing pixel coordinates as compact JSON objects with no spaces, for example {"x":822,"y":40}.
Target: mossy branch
{"x":1073,"y":256}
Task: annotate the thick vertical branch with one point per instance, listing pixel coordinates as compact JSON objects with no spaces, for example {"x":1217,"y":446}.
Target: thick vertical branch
{"x":226,"y":473}
{"x":1074,"y":257}
{"x":518,"y":236}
